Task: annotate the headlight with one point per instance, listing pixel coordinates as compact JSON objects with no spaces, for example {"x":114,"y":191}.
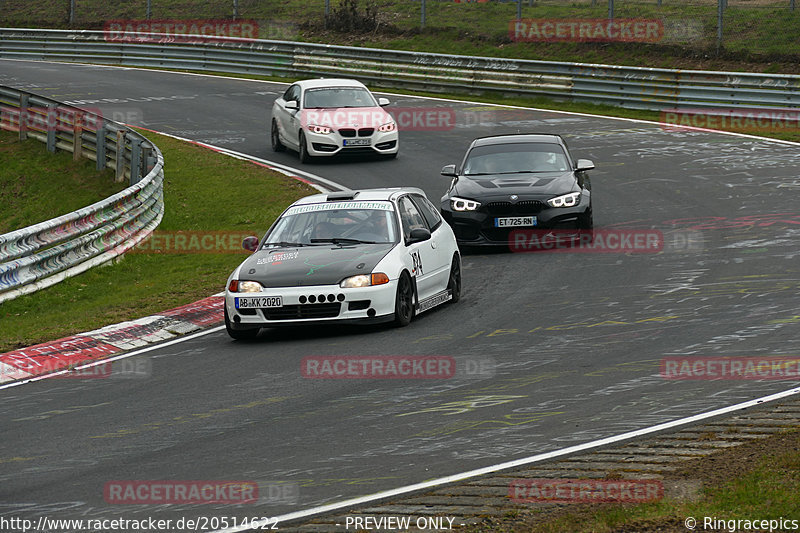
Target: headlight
{"x":568,"y":200}
{"x":386,"y":128}
{"x":244,"y":286}
{"x":461,"y":204}
{"x":322,"y":130}
{"x":364,"y":280}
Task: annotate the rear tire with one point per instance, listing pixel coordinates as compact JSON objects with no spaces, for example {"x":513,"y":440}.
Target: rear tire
{"x":240,"y":334}
{"x":305,"y":157}
{"x":454,"y":283}
{"x":275,"y":139}
{"x":404,"y":301}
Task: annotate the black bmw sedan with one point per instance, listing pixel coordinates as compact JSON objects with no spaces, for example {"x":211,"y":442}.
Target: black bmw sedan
{"x":513,"y":182}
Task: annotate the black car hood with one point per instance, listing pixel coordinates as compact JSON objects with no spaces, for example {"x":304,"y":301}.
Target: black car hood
{"x":324,"y":264}
{"x":542,"y":184}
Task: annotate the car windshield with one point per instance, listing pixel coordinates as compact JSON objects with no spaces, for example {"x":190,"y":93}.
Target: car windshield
{"x":514,"y":158}
{"x":336,"y":97}
{"x":343,"y":223}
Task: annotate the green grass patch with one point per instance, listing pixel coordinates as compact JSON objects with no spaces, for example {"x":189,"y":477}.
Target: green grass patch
{"x":32,"y":182}
{"x":203,"y":191}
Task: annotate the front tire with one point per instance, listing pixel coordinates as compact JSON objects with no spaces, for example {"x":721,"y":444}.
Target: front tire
{"x":240,"y":334}
{"x":305,"y":157}
{"x":404,"y":301}
{"x":586,"y":221}
{"x":275,"y":139}
{"x":454,"y":283}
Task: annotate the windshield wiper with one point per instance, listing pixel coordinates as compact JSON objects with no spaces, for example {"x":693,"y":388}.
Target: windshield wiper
{"x":343,"y":240}
{"x":284,"y":244}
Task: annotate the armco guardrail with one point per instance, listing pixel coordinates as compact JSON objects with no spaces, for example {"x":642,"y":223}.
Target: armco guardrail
{"x":41,"y":255}
{"x":633,"y":87}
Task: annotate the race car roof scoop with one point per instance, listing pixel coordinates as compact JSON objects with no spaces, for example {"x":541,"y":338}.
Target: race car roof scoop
{"x":341,"y":195}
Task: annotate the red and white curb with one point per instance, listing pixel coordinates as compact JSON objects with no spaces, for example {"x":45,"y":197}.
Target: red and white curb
{"x":102,"y":343}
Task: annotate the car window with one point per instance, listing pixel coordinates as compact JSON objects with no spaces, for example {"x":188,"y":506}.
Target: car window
{"x":512,"y":158}
{"x":292,"y":93}
{"x":336,"y":97}
{"x":428,"y":211}
{"x":372,"y":222}
{"x":410,"y":216}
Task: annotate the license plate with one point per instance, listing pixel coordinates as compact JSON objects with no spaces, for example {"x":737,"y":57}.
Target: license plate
{"x":514,"y":222}
{"x":258,"y":302}
{"x":356,"y":142}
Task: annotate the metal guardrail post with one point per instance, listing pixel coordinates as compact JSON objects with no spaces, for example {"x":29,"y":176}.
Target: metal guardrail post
{"x":136,"y":159}
{"x":77,"y":137}
{"x":23,"y":116}
{"x":120,"y":155}
{"x":100,"y":148}
{"x":150,"y":160}
{"x":51,"y":121}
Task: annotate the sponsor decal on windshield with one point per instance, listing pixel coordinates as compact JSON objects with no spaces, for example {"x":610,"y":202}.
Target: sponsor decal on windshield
{"x":332,"y":206}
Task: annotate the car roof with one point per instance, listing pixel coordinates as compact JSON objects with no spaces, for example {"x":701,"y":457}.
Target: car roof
{"x":329,"y":82}
{"x":519,"y":138}
{"x":359,"y":195}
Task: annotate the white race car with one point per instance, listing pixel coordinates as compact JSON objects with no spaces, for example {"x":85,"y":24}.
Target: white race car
{"x":375,"y":255}
{"x":326,"y":117}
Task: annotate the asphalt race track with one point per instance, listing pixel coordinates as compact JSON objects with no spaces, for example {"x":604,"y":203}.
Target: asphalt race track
{"x":570,"y":343}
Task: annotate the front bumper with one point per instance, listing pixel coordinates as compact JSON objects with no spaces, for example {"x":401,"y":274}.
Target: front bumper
{"x":476,"y":228}
{"x":334,"y":143}
{"x":362,"y":305}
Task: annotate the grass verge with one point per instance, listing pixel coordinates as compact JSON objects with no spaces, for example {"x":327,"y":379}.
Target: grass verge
{"x":203,"y":192}
{"x":29,"y":175}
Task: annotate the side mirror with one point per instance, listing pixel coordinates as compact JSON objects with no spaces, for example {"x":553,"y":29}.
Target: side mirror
{"x":383,"y":102}
{"x":449,"y":170}
{"x":419,"y":235}
{"x":584,"y":164}
{"x":292,"y":105}
{"x":250,"y":243}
